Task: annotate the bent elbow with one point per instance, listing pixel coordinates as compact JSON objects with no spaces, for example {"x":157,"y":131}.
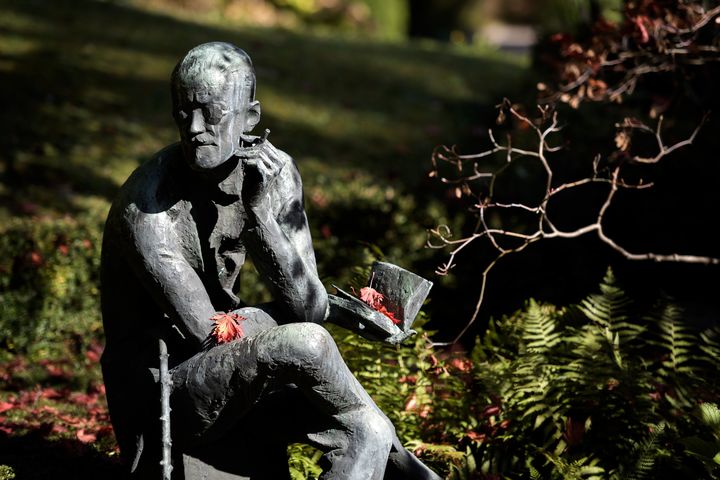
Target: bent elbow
{"x":316,"y":307}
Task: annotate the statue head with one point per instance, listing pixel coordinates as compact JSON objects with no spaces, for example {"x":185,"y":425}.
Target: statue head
{"x":213,"y":92}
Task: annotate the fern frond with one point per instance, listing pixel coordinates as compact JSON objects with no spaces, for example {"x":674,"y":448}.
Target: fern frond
{"x":611,"y":309}
{"x":645,"y":453}
{"x":674,"y":336}
{"x":677,"y":345}
{"x":303,"y":462}
{"x":581,"y":469}
{"x":539,"y":328}
{"x":709,"y":414}
{"x":710,"y":347}
{"x":534,"y":473}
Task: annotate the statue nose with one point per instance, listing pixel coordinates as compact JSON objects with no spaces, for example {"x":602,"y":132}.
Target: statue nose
{"x":197,"y":125}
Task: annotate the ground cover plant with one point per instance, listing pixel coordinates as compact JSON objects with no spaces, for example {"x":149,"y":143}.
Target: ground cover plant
{"x":610,"y":387}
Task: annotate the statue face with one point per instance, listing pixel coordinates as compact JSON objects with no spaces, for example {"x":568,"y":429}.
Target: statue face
{"x":209,"y":121}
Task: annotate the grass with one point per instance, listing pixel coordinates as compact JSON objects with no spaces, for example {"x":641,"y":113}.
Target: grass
{"x":86,"y":87}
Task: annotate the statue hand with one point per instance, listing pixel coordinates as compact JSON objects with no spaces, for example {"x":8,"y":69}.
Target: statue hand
{"x":399,"y":338}
{"x":261,"y":165}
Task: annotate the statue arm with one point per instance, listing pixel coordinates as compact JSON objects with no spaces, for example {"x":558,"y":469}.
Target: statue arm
{"x":278,"y":239}
{"x":171,"y":281}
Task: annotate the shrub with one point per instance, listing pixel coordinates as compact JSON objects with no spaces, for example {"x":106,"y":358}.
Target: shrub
{"x":49,"y":286}
{"x":610,"y":387}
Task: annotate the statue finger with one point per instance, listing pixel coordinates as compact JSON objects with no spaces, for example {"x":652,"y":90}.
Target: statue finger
{"x":271,"y":150}
{"x":269,"y":166}
{"x":274,"y":155}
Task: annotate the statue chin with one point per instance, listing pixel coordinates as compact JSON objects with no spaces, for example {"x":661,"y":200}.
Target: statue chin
{"x":204,"y":158}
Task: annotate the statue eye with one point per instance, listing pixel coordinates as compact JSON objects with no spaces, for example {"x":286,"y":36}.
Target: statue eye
{"x":181,"y":115}
{"x":214,"y":113}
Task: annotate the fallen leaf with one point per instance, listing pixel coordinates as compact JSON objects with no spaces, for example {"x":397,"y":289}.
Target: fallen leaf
{"x":70,"y":420}
{"x":372,"y":297}
{"x":36,"y":259}
{"x":56,"y":371}
{"x":388,"y":314}
{"x":51,"y":393}
{"x":411,"y":404}
{"x":50,"y":410}
{"x":92,"y":356}
{"x":58,"y":428}
{"x":227,"y":327}
{"x":85,"y":437}
{"x":376,"y":301}
{"x":83,"y":399}
{"x":476,"y":437}
{"x":5,"y":406}
{"x":462,"y":364}
{"x":491,"y":410}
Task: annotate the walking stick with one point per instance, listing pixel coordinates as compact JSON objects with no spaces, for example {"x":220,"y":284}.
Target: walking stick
{"x":165,"y":386}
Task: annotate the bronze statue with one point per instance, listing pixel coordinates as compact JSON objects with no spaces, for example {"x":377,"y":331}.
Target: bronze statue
{"x":175,"y":240}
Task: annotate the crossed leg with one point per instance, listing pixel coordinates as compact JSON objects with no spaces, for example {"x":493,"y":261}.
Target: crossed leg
{"x":294,"y":379}
{"x":215,"y":389}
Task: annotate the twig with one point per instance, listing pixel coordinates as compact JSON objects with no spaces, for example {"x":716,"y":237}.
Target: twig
{"x":499,"y":238}
{"x":165,"y":387}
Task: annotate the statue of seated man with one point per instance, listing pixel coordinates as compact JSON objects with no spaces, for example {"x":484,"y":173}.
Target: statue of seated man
{"x":175,"y":240}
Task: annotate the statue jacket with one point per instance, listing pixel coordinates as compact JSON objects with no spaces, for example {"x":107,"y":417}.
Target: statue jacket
{"x":172,"y":253}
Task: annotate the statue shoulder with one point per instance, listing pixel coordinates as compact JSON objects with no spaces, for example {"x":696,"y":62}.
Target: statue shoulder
{"x":150,"y":196}
{"x":289,"y":176}
{"x":154,"y":183}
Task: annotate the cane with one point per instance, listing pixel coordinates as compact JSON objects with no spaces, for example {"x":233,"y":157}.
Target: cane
{"x":165,"y":386}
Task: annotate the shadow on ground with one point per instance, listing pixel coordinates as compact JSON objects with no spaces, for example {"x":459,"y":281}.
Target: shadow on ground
{"x":34,"y":457}
{"x":85,"y":90}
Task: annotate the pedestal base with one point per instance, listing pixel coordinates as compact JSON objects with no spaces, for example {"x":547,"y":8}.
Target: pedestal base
{"x":195,"y":469}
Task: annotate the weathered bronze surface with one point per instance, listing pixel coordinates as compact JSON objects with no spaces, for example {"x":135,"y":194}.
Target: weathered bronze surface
{"x":175,"y":240}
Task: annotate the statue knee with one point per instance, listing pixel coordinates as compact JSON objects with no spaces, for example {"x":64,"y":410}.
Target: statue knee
{"x":303,"y":345}
{"x":313,"y":342}
{"x":378,"y":430}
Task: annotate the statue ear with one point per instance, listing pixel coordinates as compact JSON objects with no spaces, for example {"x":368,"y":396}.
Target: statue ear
{"x":252,"y":116}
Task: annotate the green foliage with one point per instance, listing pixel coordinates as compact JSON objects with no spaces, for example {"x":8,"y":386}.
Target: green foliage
{"x":49,"y":282}
{"x":417,"y":390}
{"x":608,"y":388}
{"x":389,"y":17}
{"x":644,"y":454}
{"x":705,"y":446}
{"x":356,"y":219}
{"x":303,"y":462}
{"x":355,"y":117}
{"x":602,"y":389}
{"x":6,"y":473}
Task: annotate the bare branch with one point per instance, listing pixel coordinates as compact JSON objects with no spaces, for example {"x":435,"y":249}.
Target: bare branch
{"x":508,"y":241}
{"x":701,"y":23}
{"x":663,"y":150}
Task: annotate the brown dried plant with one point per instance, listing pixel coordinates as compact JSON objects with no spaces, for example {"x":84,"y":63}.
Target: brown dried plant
{"x":672,"y":39}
